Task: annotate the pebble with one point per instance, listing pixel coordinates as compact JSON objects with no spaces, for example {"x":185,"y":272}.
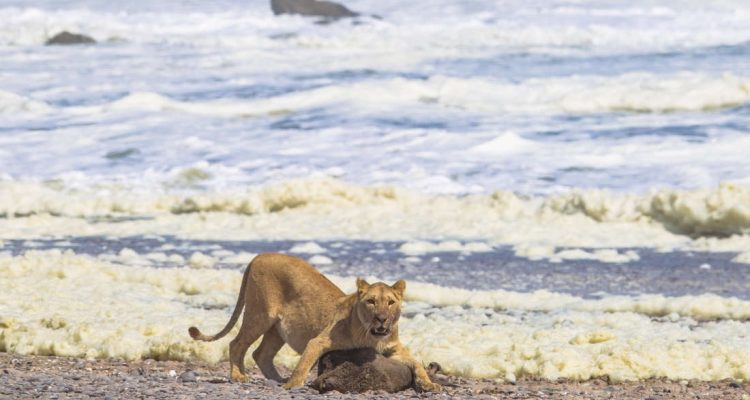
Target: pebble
{"x":188,"y":376}
{"x":216,"y":379}
{"x":43,"y":380}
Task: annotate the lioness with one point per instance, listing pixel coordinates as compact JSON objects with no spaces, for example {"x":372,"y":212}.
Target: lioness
{"x":288,"y":301}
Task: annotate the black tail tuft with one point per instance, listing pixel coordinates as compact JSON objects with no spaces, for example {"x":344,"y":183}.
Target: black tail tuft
{"x":194,"y":332}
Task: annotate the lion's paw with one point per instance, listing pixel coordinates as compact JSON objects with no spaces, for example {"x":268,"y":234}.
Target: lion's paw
{"x":291,"y":385}
{"x":429,"y":387}
{"x":239,"y":377}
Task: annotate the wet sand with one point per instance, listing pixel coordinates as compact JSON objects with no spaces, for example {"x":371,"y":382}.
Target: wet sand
{"x":32,"y":377}
{"x":676,"y":273}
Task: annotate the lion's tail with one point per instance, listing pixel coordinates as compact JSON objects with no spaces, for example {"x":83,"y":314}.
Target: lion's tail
{"x":196,"y":334}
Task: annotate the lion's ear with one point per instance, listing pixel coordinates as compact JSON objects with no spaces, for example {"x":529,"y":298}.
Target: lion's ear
{"x":399,"y":287}
{"x":362,"y":286}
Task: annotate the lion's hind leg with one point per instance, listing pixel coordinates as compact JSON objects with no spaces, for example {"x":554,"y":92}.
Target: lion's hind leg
{"x":264,"y":354}
{"x":253,"y":326}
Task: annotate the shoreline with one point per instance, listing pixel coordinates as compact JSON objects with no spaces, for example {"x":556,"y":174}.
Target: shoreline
{"x":670,"y":273}
{"x":51,"y":377}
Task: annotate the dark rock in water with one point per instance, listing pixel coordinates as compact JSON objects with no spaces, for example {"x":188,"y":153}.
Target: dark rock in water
{"x":120,"y":154}
{"x":313,"y":8}
{"x":361,"y":370}
{"x":66,"y":38}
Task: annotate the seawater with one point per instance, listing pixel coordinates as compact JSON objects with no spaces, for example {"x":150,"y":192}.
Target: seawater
{"x":545,"y":150}
{"x":536,"y":97}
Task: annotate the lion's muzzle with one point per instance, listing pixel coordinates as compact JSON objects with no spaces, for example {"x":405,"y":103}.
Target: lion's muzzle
{"x":381,"y":323}
{"x":380,"y":331}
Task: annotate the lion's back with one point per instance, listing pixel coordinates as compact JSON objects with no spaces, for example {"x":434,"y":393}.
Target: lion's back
{"x":293,"y":276}
{"x":295,"y":293}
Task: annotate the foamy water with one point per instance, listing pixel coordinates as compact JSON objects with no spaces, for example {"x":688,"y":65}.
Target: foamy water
{"x":563,"y":132}
{"x":525,"y":96}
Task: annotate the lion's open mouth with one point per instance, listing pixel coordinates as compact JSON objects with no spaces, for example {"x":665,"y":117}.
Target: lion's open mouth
{"x":382,"y":331}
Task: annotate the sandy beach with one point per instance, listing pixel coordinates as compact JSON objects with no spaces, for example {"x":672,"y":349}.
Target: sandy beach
{"x":27,"y":377}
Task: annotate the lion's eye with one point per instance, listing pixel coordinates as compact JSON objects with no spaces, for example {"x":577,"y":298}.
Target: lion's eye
{"x":371,"y":301}
{"x":391,"y":302}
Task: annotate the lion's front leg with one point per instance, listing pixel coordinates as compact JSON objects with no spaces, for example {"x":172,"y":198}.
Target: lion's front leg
{"x":421,"y":379}
{"x":314,"y":349}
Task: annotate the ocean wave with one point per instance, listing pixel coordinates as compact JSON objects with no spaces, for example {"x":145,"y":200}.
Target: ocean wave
{"x":414,"y":27}
{"x":584,"y":94}
{"x":143,"y":312}
{"x":632,"y":93}
{"x":11,"y":103}
{"x":329,"y":209}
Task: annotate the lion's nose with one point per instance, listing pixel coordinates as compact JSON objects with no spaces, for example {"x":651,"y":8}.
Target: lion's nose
{"x":381,"y":318}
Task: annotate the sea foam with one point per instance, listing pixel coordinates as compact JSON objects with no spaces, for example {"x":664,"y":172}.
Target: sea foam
{"x":143,"y":312}
{"x":329,"y":209}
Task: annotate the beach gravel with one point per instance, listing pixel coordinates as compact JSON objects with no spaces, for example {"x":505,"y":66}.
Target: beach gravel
{"x":27,"y":377}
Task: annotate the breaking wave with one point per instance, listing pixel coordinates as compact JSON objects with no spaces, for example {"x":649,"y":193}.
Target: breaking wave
{"x":635,"y":93}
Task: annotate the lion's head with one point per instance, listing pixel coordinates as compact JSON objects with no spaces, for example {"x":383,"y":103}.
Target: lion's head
{"x":379,"y":306}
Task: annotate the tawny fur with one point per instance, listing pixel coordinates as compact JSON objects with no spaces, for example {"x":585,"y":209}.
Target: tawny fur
{"x":287,"y":301}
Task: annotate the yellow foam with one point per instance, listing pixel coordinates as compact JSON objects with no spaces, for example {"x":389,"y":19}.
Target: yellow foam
{"x":63,"y":303}
{"x":318,"y":209}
